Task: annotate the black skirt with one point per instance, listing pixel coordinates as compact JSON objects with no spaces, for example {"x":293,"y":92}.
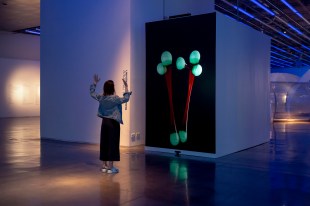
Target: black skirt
{"x":109,"y":140}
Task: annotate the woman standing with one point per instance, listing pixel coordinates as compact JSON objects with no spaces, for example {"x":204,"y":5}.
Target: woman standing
{"x":110,"y":110}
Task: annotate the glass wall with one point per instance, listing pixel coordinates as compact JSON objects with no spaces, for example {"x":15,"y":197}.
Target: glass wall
{"x":290,"y":101}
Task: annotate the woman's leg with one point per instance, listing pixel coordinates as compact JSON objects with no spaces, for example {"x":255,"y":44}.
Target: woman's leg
{"x":110,"y":164}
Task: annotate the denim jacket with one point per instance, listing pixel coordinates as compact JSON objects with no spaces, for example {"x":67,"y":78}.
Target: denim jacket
{"x":110,"y":106}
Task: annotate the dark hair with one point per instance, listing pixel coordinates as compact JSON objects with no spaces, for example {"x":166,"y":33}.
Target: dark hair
{"x":108,"y":88}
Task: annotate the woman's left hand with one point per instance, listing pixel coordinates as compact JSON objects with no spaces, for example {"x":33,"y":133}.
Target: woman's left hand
{"x":96,"y":78}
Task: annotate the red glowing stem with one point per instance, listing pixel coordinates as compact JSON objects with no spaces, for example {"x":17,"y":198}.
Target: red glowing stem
{"x":191,"y":79}
{"x":168,"y":77}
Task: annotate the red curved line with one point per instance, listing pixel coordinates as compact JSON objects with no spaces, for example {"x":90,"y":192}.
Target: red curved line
{"x":191,"y":79}
{"x":168,"y":77}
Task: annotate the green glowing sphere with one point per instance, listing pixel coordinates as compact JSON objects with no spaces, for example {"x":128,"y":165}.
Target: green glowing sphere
{"x":161,"y":69}
{"x":174,"y":139}
{"x":196,"y":70}
{"x":180,"y":63}
{"x":166,"y":58}
{"x":183,"y":136}
{"x":194,"y":57}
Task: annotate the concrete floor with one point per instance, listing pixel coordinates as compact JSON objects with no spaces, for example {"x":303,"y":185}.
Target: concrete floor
{"x":45,"y":172}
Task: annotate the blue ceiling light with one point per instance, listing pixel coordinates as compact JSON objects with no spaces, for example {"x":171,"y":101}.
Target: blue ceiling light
{"x":295,"y":11}
{"x":287,"y":36}
{"x":278,"y":48}
{"x":281,"y":60}
{"x":275,"y":63}
{"x":305,"y":64}
{"x":283,"y":51}
{"x":305,"y":47}
{"x":263,"y":7}
{"x":292,"y":8}
{"x":32,"y":32}
{"x":244,"y":12}
{"x":278,"y":64}
{"x":273,"y":52}
{"x":292,"y":27}
{"x":295,"y":49}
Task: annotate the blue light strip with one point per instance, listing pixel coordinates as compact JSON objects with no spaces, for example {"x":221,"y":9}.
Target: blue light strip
{"x":281,"y":60}
{"x":284,"y":35}
{"x":292,"y":8}
{"x":292,"y":27}
{"x":279,"y":49}
{"x":277,"y":63}
{"x":287,"y":36}
{"x":274,"y":65}
{"x":292,"y":48}
{"x":273,"y":52}
{"x":32,"y":32}
{"x":263,"y":7}
{"x":305,"y":64}
{"x":284,"y":51}
{"x":295,"y":49}
{"x":305,"y":47}
{"x":246,"y":13}
{"x":280,"y":64}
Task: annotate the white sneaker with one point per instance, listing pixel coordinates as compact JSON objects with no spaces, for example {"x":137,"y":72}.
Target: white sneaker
{"x":104,"y":169}
{"x":112,"y":170}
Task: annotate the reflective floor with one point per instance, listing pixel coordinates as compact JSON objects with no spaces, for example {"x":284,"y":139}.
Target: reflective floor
{"x":46,"y":172}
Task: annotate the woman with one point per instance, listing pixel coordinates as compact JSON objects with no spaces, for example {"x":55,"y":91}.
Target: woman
{"x":110,"y":110}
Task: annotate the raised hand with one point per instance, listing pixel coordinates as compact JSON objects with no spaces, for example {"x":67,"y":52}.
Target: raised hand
{"x":96,"y":78}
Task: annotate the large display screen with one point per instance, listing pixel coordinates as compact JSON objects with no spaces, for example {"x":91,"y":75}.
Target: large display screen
{"x":180,"y":83}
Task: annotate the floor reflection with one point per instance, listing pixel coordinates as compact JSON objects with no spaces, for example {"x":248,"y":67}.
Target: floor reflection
{"x":290,"y":156}
{"x":47,"y":172}
{"x":178,"y":180}
{"x":21,"y":143}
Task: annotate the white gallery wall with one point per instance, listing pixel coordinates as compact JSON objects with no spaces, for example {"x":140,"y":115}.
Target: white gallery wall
{"x":242,"y":86}
{"x":80,"y":38}
{"x":20,"y":75}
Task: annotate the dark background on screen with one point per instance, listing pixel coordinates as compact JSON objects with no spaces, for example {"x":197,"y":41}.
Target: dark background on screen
{"x":180,"y":37}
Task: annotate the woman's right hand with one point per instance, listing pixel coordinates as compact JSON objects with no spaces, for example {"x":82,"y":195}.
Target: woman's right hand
{"x":126,"y":85}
